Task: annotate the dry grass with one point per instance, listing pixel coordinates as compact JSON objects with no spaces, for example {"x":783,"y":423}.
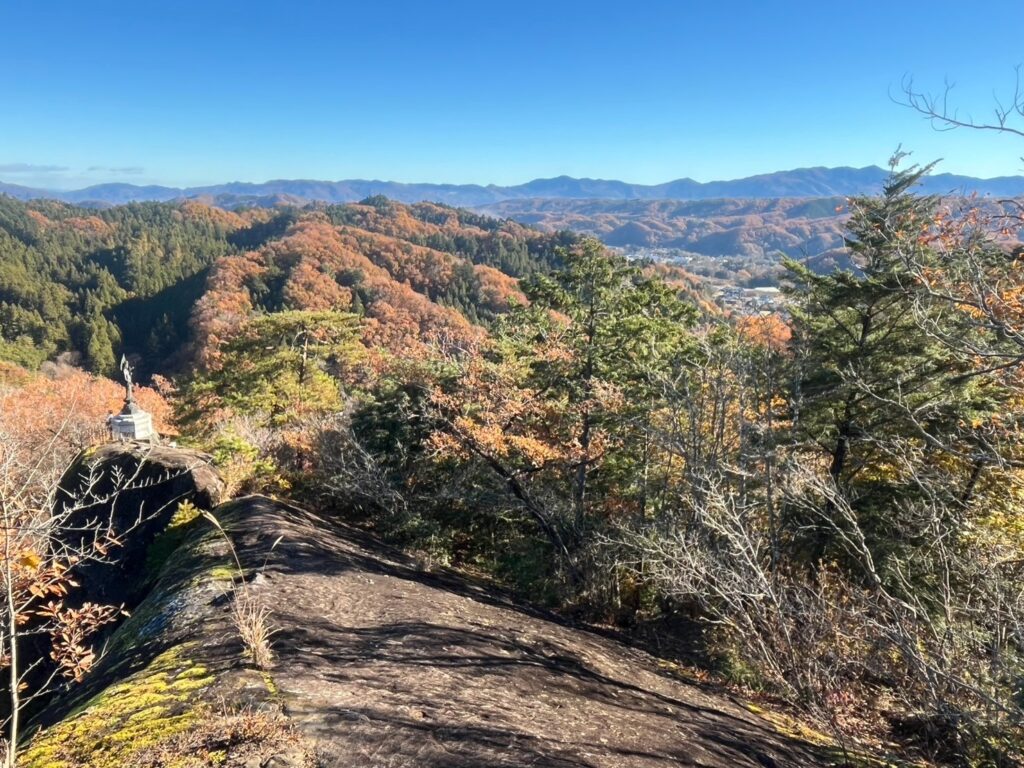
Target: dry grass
{"x":250,"y":617}
{"x":231,"y":740}
{"x":252,"y":620}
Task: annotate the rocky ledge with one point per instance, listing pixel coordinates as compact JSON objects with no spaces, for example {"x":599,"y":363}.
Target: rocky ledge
{"x":374,"y":662}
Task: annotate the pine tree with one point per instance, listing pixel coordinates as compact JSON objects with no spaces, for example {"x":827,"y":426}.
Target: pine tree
{"x":880,"y":401}
{"x":281,"y":367}
{"x":558,"y":406}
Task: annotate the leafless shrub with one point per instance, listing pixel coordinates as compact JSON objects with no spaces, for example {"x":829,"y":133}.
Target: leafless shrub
{"x":940,"y":629}
{"x":946,"y":618}
{"x":352,"y":475}
{"x":778,"y":624}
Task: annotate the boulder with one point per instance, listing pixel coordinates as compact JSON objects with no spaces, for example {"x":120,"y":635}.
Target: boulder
{"x":130,"y":491}
{"x":376,"y":662}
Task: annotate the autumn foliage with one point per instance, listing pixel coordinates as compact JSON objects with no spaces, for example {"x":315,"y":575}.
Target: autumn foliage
{"x":833,"y":490}
{"x":61,"y":410}
{"x":319,"y":267}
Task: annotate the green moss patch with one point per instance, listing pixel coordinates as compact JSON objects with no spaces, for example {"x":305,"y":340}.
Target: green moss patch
{"x":154,"y":706}
{"x":170,"y":538}
{"x":853,"y":757}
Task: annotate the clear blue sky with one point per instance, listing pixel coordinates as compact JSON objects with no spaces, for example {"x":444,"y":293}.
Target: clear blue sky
{"x":186,"y":92}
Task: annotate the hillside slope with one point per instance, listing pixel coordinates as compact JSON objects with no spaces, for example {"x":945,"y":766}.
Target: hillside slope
{"x":378,"y":663}
{"x":754,"y":229}
{"x":125,"y":279}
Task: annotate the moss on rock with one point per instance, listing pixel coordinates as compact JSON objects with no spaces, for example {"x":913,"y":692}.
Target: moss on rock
{"x":152,"y":706}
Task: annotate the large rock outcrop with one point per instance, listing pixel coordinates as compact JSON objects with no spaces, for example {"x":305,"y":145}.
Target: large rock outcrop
{"x":376,"y":663}
{"x":132,"y":491}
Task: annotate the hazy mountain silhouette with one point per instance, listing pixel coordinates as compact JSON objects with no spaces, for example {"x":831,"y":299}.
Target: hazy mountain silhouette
{"x":800,"y":182}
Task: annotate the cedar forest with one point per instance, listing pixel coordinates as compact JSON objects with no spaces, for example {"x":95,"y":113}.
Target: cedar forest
{"x":823,"y":504}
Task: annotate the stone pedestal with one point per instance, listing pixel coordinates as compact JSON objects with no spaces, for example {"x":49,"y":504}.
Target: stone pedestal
{"x":132,"y":423}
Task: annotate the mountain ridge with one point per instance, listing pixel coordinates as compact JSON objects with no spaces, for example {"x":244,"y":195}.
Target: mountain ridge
{"x":810,"y":182}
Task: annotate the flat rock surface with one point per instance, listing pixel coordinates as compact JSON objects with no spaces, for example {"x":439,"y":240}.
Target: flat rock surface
{"x":381,"y":664}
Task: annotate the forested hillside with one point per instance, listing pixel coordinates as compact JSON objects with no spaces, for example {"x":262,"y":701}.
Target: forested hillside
{"x":125,"y":279}
{"x":819,"y":507}
{"x":755,"y":230}
{"x":63,"y":270}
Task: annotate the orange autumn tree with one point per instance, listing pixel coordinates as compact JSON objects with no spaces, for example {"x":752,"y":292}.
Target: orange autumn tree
{"x":65,"y":408}
{"x":972,"y":276}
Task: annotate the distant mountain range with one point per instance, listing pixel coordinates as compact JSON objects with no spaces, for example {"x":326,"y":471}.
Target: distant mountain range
{"x":798,"y":183}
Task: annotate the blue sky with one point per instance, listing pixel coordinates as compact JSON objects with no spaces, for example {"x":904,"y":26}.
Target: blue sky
{"x":190,"y":92}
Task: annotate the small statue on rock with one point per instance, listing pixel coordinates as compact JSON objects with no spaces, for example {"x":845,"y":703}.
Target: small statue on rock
{"x":132,"y":423}
{"x":126,"y":371}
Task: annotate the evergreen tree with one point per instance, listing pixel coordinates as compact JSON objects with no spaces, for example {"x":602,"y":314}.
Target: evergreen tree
{"x":281,"y":367}
{"x":558,"y":407}
{"x":879,"y":400}
{"x":99,"y":348}
{"x":623,"y":329}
